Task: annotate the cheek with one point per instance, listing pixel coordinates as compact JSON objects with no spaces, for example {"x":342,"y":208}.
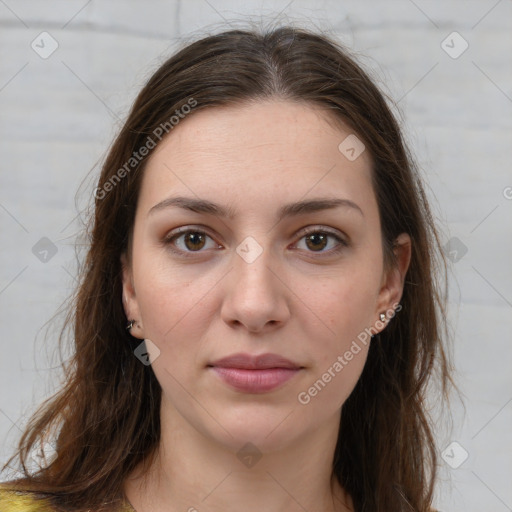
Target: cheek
{"x":329,"y":388}
{"x":172,"y":306}
{"x":345,"y":302}
{"x":339,"y":355}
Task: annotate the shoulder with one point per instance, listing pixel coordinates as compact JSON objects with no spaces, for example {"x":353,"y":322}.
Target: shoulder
{"x":13,"y":500}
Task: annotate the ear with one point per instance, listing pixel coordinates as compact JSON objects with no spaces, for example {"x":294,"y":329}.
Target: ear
{"x":130,"y":303}
{"x":392,"y":284}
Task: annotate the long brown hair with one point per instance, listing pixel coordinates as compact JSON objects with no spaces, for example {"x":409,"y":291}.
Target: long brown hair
{"x":105,"y":419}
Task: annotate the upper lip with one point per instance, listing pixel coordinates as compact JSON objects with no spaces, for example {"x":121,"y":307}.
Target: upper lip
{"x":261,"y":362}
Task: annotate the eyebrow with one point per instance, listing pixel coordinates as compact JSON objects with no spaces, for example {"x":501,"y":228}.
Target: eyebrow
{"x":289,"y":210}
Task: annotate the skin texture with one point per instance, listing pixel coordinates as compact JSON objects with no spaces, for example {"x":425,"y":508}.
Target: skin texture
{"x":302,"y":301}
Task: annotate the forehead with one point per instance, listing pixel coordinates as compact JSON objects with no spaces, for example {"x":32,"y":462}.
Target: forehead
{"x":256,"y":152}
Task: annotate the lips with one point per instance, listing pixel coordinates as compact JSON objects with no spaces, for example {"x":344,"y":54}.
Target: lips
{"x":255,"y":374}
{"x":261,"y":362}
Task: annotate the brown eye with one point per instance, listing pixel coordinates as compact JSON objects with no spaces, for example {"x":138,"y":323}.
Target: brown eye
{"x":194,"y":240}
{"x":185,"y":242}
{"x":316,"y":241}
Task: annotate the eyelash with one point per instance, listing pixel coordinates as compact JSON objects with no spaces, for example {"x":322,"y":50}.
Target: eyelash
{"x":171,"y":237}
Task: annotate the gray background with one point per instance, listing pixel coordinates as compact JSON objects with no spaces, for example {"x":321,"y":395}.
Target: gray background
{"x":59,"y":114}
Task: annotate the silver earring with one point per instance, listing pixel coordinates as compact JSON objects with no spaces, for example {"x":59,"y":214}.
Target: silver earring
{"x":131,"y":323}
{"x":382,"y":317}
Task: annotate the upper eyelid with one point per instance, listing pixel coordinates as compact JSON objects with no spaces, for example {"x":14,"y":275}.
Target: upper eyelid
{"x":318,"y":228}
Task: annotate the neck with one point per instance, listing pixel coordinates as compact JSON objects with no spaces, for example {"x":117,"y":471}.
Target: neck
{"x":192,"y":472}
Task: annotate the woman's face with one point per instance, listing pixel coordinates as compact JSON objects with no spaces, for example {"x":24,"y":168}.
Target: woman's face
{"x":258,"y":273}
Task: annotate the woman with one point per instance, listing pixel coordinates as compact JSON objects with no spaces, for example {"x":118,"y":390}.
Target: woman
{"x":260,"y":224}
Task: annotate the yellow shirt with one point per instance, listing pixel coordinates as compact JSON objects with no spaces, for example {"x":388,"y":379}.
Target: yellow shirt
{"x":17,"y":501}
{"x":12,"y":500}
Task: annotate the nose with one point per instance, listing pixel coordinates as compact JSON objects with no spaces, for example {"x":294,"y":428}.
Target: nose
{"x":256,"y":296}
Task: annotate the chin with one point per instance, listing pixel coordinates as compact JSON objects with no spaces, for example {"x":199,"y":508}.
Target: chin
{"x":267,"y":431}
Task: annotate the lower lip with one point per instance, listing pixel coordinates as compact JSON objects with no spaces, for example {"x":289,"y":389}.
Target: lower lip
{"x":255,"y":381}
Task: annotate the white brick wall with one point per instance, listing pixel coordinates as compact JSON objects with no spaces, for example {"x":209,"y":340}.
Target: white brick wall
{"x":58,"y":115}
